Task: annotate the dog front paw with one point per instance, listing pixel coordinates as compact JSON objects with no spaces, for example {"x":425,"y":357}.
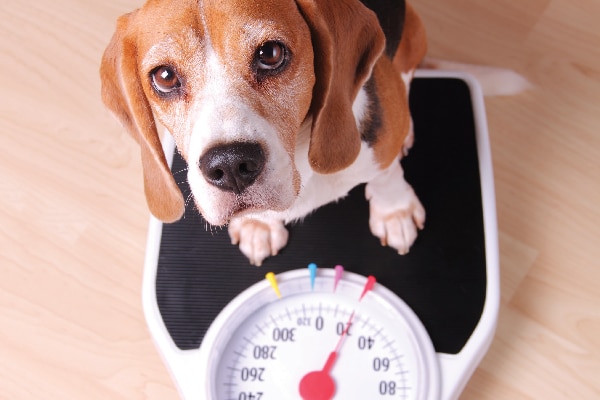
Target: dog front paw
{"x":398,"y":229}
{"x":396,"y":214}
{"x":258,"y":239}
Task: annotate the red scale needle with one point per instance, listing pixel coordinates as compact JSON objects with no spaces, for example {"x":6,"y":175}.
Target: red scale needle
{"x":319,"y":385}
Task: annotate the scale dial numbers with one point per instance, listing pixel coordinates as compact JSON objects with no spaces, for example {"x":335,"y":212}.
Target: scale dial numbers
{"x":339,"y":345}
{"x":258,"y":357}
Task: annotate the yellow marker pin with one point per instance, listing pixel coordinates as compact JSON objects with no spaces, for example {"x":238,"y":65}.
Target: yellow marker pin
{"x":273,"y":281}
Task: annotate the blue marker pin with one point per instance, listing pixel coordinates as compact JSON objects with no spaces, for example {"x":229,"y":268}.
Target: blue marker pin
{"x":312,"y":267}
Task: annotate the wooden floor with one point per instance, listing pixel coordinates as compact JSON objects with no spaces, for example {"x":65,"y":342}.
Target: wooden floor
{"x":73,"y":218}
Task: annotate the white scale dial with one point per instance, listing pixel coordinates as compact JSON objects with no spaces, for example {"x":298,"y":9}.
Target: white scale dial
{"x":322,"y":335}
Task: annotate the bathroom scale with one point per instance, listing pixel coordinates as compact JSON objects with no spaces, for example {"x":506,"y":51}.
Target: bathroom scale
{"x":335,"y":315}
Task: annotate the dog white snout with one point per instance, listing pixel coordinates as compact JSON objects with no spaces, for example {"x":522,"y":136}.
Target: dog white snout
{"x":237,"y":162}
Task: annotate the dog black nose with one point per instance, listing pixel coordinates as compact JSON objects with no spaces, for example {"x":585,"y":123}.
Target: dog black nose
{"x":232,"y":167}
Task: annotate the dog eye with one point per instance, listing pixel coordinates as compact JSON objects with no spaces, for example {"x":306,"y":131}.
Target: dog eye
{"x":271,"y":56}
{"x":165,"y":80}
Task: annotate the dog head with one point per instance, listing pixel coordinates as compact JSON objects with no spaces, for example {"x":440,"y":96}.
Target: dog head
{"x":233,"y":82}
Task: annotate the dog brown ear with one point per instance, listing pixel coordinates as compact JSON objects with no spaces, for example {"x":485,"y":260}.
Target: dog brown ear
{"x":123,"y":94}
{"x":347,"y":41}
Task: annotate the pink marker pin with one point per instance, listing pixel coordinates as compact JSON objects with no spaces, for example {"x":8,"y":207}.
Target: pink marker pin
{"x":368,"y":286}
{"x":339,"y":271}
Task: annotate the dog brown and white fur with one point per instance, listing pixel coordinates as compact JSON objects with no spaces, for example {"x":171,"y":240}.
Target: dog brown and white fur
{"x":278,"y":107}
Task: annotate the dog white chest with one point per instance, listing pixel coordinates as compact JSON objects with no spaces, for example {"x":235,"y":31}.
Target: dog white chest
{"x":318,"y":189}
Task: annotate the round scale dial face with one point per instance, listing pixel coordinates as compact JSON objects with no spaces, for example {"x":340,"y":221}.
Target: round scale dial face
{"x":316,"y":336}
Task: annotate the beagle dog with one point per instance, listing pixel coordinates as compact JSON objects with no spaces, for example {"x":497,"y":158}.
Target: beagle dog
{"x":277,"y":106}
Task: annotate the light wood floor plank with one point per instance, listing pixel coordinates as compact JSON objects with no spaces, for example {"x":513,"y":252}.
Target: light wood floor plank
{"x":73,"y":218}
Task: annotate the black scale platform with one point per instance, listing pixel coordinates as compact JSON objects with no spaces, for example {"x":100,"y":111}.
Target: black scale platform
{"x":443,"y":278}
